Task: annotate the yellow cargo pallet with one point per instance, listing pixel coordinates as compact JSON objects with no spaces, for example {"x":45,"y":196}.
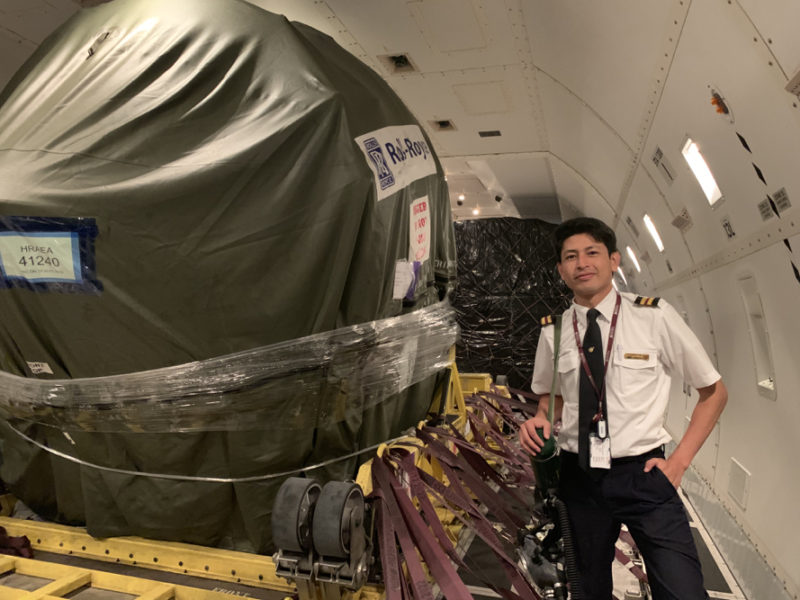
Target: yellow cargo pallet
{"x":57,"y":581}
{"x":210,"y":563}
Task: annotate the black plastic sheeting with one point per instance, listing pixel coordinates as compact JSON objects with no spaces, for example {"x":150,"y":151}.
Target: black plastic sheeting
{"x":507,"y":281}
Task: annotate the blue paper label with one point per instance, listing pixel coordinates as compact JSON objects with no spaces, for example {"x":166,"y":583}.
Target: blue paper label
{"x":48,"y":254}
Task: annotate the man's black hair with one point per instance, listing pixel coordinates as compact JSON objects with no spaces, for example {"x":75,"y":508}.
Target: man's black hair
{"x":595,"y":228}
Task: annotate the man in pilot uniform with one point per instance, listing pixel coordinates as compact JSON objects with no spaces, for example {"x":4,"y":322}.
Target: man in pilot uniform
{"x":612,"y":397}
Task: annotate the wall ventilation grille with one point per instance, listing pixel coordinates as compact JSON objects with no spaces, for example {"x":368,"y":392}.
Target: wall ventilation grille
{"x":683,"y":221}
{"x":442,"y":125}
{"x":398,"y":63}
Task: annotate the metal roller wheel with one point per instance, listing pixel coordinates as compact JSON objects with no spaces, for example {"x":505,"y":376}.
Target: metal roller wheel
{"x":340,"y":504}
{"x":292,"y":514}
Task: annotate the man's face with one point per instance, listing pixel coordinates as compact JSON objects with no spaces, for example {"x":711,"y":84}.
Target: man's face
{"x":586,"y":266}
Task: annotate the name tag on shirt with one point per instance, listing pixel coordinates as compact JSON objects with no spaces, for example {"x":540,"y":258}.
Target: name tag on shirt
{"x":636,"y":356}
{"x":599,"y":452}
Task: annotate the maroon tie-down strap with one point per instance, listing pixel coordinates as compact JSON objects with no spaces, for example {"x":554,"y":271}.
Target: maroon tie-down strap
{"x":628,"y":563}
{"x":472,"y":480}
{"x":413,"y":475}
{"x":480,"y":467}
{"x":419,"y":586}
{"x":496,"y":405}
{"x":402,"y":508}
{"x":458,"y":496}
{"x":409,"y":473}
{"x":524,"y":394}
{"x":513,"y":459}
{"x":503,"y":452}
{"x":390,"y":561}
{"x":500,"y":411}
{"x":459,"y":501}
{"x":485,"y":470}
{"x":529,"y":408}
{"x":626,"y":537}
{"x":473,"y":470}
{"x":497,"y":411}
{"x":15,"y":545}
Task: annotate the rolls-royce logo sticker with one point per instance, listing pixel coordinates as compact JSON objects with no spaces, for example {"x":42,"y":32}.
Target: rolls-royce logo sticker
{"x":385,"y":176}
{"x":397,"y":156}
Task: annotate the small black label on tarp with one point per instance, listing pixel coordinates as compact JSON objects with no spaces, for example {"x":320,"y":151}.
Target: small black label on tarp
{"x":49,"y":254}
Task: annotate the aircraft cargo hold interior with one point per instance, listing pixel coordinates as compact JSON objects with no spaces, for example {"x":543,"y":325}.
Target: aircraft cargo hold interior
{"x":399,"y":299}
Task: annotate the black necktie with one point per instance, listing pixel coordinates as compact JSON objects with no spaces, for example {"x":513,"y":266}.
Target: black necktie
{"x":587,"y":408}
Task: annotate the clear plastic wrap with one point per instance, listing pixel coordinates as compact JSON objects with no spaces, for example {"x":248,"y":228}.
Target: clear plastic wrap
{"x":313,"y":381}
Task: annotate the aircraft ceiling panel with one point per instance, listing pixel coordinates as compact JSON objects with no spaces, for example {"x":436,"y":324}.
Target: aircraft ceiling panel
{"x":586,"y":143}
{"x":14,"y":51}
{"x":25,"y":23}
{"x":760,"y":110}
{"x":522,"y":181}
{"x":645,"y":198}
{"x":776,"y":22}
{"x":437,"y":35}
{"x":33,"y":20}
{"x":305,"y":11}
{"x":488,"y":100}
{"x":475,"y":197}
{"x":523,"y":175}
{"x":609,"y":62}
{"x":579,"y":193}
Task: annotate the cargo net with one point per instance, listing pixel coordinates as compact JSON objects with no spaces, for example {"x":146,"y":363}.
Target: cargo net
{"x":507,"y":281}
{"x":461,"y":508}
{"x":304,"y":383}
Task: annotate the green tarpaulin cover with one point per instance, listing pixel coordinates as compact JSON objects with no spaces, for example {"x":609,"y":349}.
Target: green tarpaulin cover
{"x":210,"y":221}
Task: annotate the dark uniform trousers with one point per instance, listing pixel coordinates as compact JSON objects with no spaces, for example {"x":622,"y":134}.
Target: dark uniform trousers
{"x":600,"y":501}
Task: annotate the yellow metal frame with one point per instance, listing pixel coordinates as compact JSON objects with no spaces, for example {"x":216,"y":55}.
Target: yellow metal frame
{"x":66,"y":579}
{"x":199,"y":561}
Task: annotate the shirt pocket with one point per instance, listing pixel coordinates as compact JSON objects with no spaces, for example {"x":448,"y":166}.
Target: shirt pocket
{"x":567,"y":361}
{"x":567,"y":371}
{"x":637,"y":367}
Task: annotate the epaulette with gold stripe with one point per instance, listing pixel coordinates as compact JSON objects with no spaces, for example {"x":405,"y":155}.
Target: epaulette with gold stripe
{"x":548,"y":320}
{"x":645,"y":301}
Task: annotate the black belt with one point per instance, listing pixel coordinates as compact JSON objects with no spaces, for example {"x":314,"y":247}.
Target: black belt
{"x":657,"y":452}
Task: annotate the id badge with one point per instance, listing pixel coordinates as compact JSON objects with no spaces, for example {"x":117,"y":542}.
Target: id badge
{"x":599,"y":452}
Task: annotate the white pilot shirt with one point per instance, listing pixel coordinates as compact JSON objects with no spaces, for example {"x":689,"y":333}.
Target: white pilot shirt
{"x":651,"y":344}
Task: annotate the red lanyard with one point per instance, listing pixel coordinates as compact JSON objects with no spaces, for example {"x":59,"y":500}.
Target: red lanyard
{"x":600,"y":393}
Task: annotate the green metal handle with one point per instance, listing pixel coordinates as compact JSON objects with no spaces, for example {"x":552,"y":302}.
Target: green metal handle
{"x":556,"y":344}
{"x":549,"y":447}
{"x":546,"y":463}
